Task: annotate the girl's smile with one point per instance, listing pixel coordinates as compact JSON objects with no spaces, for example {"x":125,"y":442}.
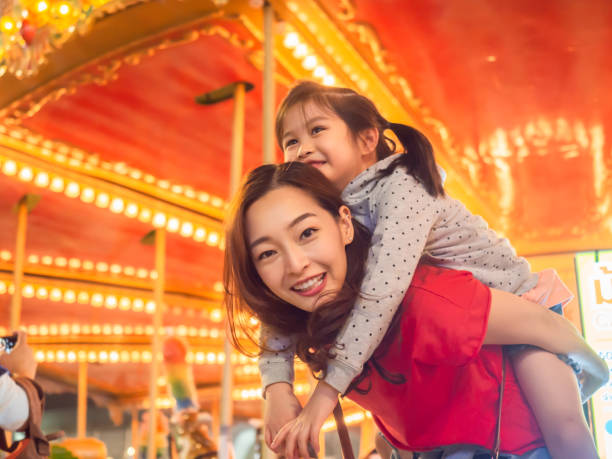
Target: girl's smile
{"x":297,"y":246}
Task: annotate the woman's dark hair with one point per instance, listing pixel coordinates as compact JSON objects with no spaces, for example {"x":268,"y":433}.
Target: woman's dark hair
{"x":245,"y":293}
{"x":360,"y":113}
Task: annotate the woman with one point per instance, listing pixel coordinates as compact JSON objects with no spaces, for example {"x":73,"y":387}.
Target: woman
{"x":295,"y":259}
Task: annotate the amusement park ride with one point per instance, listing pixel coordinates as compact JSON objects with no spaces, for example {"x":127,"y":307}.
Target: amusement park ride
{"x":102,"y":142}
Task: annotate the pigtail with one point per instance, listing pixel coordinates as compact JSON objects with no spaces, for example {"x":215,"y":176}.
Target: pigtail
{"x":418,"y":159}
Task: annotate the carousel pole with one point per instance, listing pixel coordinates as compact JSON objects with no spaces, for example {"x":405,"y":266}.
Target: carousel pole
{"x":158,"y":294}
{"x":268,"y":84}
{"x":236,"y":91}
{"x":235,"y":176}
{"x":25,"y":205}
{"x":268,"y":119}
{"x":82,"y":401}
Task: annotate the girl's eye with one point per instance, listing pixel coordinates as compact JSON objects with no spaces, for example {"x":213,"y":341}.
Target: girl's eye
{"x":317,"y":129}
{"x":265,"y":254}
{"x":308,"y":232}
{"x":290,"y":142}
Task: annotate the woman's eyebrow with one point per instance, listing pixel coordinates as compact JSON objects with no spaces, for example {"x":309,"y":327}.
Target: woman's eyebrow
{"x":294,"y":222}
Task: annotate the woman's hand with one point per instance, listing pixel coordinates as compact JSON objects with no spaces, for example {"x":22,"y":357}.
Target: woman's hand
{"x":280,"y":407}
{"x":304,"y":430}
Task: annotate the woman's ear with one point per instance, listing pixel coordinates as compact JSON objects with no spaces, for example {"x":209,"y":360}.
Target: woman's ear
{"x":369,"y":139}
{"x":346,"y":225}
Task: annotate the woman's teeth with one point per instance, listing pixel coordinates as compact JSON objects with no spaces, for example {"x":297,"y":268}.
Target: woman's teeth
{"x":315,"y":281}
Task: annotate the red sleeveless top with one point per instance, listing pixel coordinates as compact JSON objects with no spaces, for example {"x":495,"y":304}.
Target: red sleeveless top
{"x":451,"y":389}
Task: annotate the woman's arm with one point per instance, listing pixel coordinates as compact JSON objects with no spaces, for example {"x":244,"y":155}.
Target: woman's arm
{"x":514,"y":320}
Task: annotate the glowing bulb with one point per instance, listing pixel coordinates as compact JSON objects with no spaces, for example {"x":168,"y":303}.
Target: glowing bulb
{"x":150,"y":307}
{"x":61,"y":262}
{"x":131,"y":210}
{"x":42,"y":179}
{"x":9,"y":167}
{"x":309,"y":63}
{"x":27,"y":291}
{"x":291,"y":40}
{"x":115,"y":269}
{"x":117,"y":205}
{"x":72,"y":190}
{"x":215,"y":315}
{"x":186,"y":229}
{"x":42,"y":293}
{"x":329,"y":80}
{"x":46,"y":260}
{"x":42,"y":6}
{"x":88,"y":265}
{"x":145,"y":215}
{"x":199,"y":234}
{"x":111,"y":302}
{"x":26,"y":174}
{"x":159,"y":220}
{"x":203,"y":197}
{"x":7,"y":23}
{"x":55,"y":294}
{"x":213,"y":238}
{"x":138,"y":304}
{"x":173,"y":224}
{"x":74,"y":263}
{"x":83,"y":297}
{"x":319,"y":72}
{"x":125,"y":303}
{"x":33,"y":259}
{"x":102,"y":267}
{"x":64,"y":9}
{"x":57,"y":184}
{"x":97,"y":299}
{"x":129,"y":270}
{"x":88,"y":195}
{"x":5,"y":255}
{"x":69,"y":296}
{"x":300,"y":51}
{"x":102,"y":200}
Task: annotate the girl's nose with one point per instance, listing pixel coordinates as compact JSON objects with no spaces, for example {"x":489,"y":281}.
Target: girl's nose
{"x":304,"y":150}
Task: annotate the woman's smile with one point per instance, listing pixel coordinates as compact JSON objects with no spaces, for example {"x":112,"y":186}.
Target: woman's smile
{"x":311,"y":286}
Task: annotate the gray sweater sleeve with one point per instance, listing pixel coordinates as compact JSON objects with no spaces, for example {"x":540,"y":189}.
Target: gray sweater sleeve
{"x":276,"y":363}
{"x":403,"y":214}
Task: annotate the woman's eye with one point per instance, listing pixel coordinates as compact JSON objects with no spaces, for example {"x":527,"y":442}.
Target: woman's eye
{"x":265,"y":254}
{"x":308,"y":232}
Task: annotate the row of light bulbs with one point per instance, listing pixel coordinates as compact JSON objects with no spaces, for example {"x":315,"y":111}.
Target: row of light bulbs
{"x":65,"y":155}
{"x":65,"y":329}
{"x":254,"y":393}
{"x":97,"y":299}
{"x":49,"y":355}
{"x":309,"y":61}
{"x":350,"y":419}
{"x":115,"y":204}
{"x":91,"y":266}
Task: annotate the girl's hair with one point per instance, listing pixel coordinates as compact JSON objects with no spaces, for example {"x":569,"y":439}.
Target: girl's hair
{"x":360,"y":113}
{"x":245,"y":293}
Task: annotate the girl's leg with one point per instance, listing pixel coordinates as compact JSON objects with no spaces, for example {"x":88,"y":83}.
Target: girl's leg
{"x":551,"y":390}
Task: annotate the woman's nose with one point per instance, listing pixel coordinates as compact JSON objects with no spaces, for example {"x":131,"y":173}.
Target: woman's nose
{"x":297,"y":261}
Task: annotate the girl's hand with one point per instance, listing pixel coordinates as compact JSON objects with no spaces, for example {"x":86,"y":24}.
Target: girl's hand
{"x":280,"y":407}
{"x":304,"y":430}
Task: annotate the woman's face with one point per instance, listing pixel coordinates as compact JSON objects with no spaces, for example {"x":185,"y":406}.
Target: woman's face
{"x":297,"y":246}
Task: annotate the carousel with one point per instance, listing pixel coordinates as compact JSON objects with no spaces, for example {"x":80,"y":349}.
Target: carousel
{"x":127,"y":125}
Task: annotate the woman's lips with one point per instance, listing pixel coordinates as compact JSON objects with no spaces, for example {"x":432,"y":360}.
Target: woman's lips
{"x":315,"y":289}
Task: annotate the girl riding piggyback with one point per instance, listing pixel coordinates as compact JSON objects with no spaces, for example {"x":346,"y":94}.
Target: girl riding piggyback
{"x":400,"y":198}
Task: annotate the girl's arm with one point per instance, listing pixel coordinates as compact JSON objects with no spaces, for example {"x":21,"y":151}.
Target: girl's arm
{"x":402,"y":214}
{"x":514,"y":320}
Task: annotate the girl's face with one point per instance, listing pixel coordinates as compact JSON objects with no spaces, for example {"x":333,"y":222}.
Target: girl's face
{"x":297,"y":246}
{"x":319,"y":137}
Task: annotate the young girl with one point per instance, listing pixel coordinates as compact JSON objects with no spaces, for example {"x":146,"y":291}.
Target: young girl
{"x":290,"y":227}
{"x":401,"y":200}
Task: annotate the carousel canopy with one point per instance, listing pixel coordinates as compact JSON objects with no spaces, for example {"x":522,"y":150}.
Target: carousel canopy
{"x":98,"y":118}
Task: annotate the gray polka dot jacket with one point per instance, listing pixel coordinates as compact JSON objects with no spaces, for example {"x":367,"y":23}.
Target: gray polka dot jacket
{"x":407,"y":225}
